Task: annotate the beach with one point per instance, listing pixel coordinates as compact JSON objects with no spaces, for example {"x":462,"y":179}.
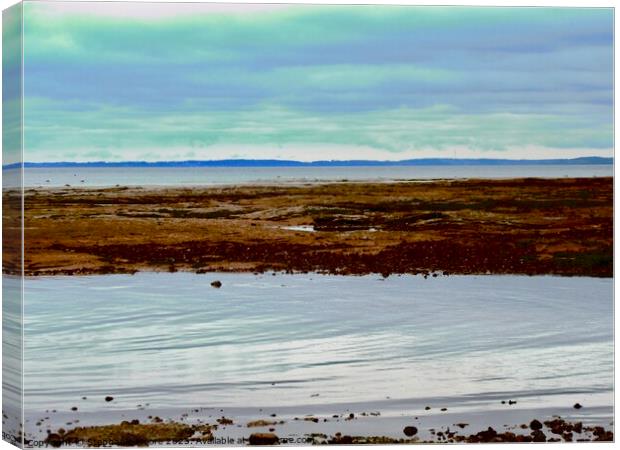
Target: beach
{"x":234,"y":427}
{"x":269,"y":255}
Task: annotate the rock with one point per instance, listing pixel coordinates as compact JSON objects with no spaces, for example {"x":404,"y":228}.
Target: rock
{"x":410,"y":431}
{"x":343,"y":440}
{"x":577,"y":406}
{"x":535,"y":425}
{"x":558,"y":426}
{"x":109,"y":399}
{"x":263,"y":439}
{"x":538,"y":436}
{"x":224,"y":421}
{"x":74,"y":408}
{"x":259,"y":423}
{"x":488,"y":435}
{"x":427,"y":408}
{"x":54,"y":440}
{"x":216,"y":284}
{"x":132,"y":440}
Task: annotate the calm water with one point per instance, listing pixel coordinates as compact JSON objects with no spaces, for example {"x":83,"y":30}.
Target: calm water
{"x":172,"y":340}
{"x":236,"y":175}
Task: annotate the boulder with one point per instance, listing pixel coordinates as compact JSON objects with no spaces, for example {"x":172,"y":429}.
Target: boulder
{"x":263,"y":439}
{"x":410,"y":431}
{"x":535,"y":425}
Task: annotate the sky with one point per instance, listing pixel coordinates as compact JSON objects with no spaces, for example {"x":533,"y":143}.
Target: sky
{"x":123,"y":82}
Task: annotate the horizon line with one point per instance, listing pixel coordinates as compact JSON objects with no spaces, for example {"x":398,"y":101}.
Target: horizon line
{"x":268,"y":162}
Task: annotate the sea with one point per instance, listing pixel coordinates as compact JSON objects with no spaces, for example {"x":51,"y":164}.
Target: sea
{"x":207,"y":176}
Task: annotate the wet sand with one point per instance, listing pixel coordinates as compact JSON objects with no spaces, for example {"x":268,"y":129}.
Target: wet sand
{"x":521,"y":226}
{"x":344,"y":424}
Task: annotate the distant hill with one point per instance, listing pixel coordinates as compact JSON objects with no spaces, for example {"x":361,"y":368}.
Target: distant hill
{"x":334,"y":163}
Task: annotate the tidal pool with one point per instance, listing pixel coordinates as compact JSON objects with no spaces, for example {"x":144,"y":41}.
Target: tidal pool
{"x":172,"y":340}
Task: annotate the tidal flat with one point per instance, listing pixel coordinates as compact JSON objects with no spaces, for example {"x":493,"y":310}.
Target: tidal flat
{"x":517,"y":226}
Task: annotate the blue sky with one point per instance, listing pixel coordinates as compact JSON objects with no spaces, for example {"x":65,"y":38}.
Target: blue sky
{"x":114,"y":81}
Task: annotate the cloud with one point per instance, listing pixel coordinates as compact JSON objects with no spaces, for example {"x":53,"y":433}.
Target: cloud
{"x":395,"y":80}
{"x":391,"y":133}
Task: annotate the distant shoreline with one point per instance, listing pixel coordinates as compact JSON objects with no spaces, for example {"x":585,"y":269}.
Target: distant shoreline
{"x":590,"y":160}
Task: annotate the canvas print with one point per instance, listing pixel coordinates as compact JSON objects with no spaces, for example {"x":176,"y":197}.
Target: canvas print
{"x":294,"y":224}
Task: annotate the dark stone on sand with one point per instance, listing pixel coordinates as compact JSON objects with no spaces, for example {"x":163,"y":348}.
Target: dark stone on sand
{"x":74,"y":408}
{"x":512,"y":402}
{"x":538,"y":436}
{"x":444,"y":409}
{"x":487,"y":435}
{"x":342,"y":440}
{"x":263,"y":439}
{"x":577,"y":406}
{"x":216,"y":284}
{"x":535,"y":425}
{"x":109,"y":399}
{"x":410,"y":431}
{"x":54,"y":440}
{"x":427,"y":408}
